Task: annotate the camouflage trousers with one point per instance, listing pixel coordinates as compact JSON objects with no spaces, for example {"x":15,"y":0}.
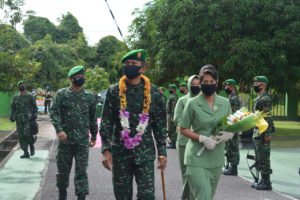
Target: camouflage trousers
{"x":64,"y":158}
{"x":262,"y":153}
{"x":123,"y":172}
{"x":24,"y":134}
{"x":172,"y":133}
{"x":232,"y":150}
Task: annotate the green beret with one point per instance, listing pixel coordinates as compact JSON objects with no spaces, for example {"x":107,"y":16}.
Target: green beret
{"x":76,"y":70}
{"x":138,"y":54}
{"x":172,"y":86}
{"x":261,"y":79}
{"x":229,"y":82}
{"x":20,"y":82}
{"x":183,"y":85}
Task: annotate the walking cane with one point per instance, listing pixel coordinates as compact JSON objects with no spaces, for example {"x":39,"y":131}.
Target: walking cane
{"x":163,"y":183}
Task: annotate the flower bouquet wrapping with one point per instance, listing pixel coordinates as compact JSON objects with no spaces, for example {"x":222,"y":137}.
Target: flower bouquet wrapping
{"x":243,"y":120}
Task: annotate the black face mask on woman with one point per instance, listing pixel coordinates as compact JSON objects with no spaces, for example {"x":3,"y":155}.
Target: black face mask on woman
{"x":208,"y":89}
{"x":131,"y":72}
{"x":195,"y":89}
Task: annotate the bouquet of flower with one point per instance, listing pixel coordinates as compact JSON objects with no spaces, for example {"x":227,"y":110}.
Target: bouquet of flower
{"x":243,"y":120}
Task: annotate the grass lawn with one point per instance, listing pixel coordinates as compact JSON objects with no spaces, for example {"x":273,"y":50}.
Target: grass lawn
{"x":287,"y":135}
{"x":6,"y":125}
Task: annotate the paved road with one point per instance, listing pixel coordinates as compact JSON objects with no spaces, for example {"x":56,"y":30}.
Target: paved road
{"x":231,"y":188}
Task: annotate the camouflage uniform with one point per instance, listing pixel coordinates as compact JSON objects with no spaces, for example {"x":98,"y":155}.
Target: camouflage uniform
{"x":138,"y":162}
{"x":232,"y":146}
{"x":24,"y":109}
{"x":171,"y":125}
{"x":262,"y":147}
{"x":74,"y":113}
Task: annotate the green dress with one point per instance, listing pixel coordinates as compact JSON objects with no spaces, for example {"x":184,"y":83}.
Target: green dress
{"x":203,"y":172}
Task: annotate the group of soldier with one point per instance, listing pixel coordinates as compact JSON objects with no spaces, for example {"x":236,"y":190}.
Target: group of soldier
{"x":134,"y":110}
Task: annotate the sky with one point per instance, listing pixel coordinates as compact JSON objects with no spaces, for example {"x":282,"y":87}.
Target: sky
{"x":93,"y":15}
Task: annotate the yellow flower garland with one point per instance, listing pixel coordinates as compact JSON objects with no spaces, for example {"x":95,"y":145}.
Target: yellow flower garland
{"x":147,"y":94}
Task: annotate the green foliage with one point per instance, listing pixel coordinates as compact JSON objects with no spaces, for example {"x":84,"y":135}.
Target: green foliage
{"x":10,"y":39}
{"x":12,"y":11}
{"x":241,"y":38}
{"x":109,"y":51}
{"x":97,"y":79}
{"x":15,"y":67}
{"x":56,"y":60}
{"x":68,"y":28}
{"x":36,"y":28}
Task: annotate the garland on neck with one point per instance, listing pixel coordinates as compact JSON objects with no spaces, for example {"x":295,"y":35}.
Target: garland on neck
{"x":131,"y":142}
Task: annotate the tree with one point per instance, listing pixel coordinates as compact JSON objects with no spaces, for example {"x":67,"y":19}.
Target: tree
{"x":11,"y":11}
{"x":68,"y":28}
{"x":56,"y":60}
{"x":10,"y":39}
{"x":109,"y":51}
{"x":36,"y":28}
{"x":241,"y":38}
{"x":97,"y":79}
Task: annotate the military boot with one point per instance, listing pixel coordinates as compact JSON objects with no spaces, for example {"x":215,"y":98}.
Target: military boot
{"x":81,"y":196}
{"x":265,"y":183}
{"x":32,"y":150}
{"x":231,"y":171}
{"x":26,"y":154}
{"x":63,"y":194}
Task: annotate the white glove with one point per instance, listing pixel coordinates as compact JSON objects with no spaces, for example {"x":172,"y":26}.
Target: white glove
{"x":225,"y":136}
{"x":208,"y":142}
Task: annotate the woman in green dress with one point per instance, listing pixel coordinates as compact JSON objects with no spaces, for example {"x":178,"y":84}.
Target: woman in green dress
{"x":199,"y":122}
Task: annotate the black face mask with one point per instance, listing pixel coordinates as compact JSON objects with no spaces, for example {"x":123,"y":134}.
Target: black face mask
{"x":195,"y":89}
{"x":21,"y":87}
{"x":181,"y":91}
{"x":131,"y":72}
{"x":78,"y":81}
{"x":256,"y":88}
{"x":228,"y":90}
{"x":208,"y":89}
{"x":171,"y":91}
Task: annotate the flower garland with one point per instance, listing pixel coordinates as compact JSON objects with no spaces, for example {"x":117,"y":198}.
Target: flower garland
{"x":131,"y":142}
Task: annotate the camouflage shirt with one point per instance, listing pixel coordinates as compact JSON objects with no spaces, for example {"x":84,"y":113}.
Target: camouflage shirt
{"x":235,"y":102}
{"x":111,"y":126}
{"x":264,"y":103}
{"x":23,"y":107}
{"x":74,"y":113}
{"x":171,"y":104}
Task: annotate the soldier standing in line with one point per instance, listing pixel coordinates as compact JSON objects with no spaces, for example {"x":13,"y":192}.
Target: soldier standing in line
{"x":171,"y":126}
{"x":262,"y":141}
{"x":232,"y":146}
{"x":23,"y":111}
{"x":183,"y":88}
{"x":193,"y":86}
{"x":133,"y":111}
{"x":73,"y":117}
{"x":162,"y":91}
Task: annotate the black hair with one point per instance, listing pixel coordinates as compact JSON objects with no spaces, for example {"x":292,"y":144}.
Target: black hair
{"x":208,"y":69}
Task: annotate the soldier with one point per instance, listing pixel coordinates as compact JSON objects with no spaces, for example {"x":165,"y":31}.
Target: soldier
{"x":262,"y":141}
{"x":171,"y":126}
{"x":232,"y":146}
{"x":23,"y":111}
{"x":47,"y":102}
{"x":162,"y":91}
{"x":183,"y":88}
{"x":133,"y":110}
{"x":194,"y":89}
{"x":73,"y":117}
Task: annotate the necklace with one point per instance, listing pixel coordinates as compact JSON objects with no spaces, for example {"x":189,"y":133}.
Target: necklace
{"x":131,"y":142}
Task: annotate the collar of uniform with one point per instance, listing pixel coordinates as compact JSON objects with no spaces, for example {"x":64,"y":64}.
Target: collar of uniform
{"x":205,"y":107}
{"x":71,"y":90}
